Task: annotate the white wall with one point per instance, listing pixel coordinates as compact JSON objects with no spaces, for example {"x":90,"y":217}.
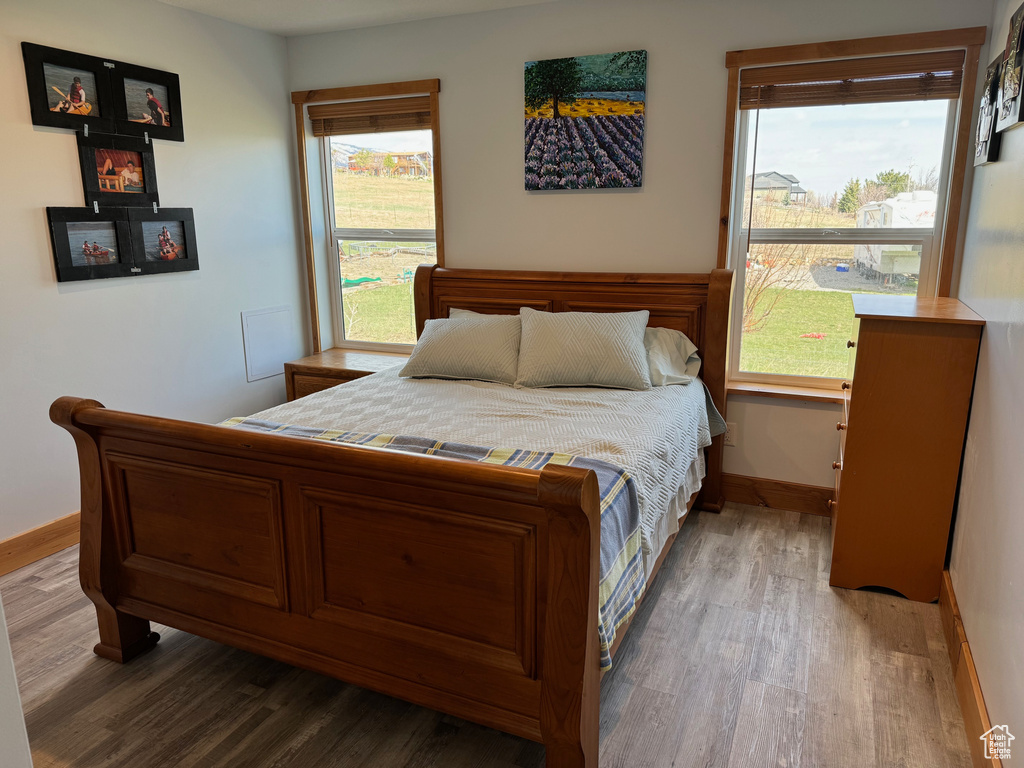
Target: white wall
{"x":168,"y":345}
{"x":14,"y":749}
{"x":669,"y":225}
{"x":987,"y":566}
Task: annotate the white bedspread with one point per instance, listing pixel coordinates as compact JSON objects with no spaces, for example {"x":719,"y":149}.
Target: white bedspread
{"x":656,"y":435}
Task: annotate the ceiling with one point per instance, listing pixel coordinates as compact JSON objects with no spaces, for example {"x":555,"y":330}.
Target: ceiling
{"x":301,"y":17}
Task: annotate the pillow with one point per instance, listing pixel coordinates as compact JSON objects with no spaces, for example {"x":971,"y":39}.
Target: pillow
{"x":583,"y":349}
{"x":484,"y":347}
{"x":671,"y":357}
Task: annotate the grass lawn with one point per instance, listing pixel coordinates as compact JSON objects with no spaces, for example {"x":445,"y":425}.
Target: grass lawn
{"x":778,"y":348}
{"x":382,"y":314}
{"x":381,"y":202}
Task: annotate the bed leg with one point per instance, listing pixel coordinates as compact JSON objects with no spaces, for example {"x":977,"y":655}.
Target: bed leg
{"x":570,"y":665}
{"x":122,"y":637}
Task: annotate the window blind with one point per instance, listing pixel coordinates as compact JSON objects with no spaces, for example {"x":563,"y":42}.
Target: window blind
{"x":376,"y":116}
{"x":912,"y":77}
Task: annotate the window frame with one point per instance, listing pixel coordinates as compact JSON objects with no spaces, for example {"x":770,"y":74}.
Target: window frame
{"x":300,"y":101}
{"x":938,"y":244}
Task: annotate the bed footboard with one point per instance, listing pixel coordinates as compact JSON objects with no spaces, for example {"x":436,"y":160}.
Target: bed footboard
{"x":465,"y":587}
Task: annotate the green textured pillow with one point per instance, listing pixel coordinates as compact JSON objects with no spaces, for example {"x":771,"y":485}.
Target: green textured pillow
{"x":583,"y":349}
{"x":482,"y":347}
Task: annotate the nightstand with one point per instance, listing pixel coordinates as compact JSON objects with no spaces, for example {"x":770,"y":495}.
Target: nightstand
{"x":335,"y":366}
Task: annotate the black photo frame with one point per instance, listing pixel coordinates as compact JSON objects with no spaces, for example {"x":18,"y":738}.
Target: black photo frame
{"x":1010,"y":96}
{"x":146,"y":224}
{"x":108,"y":228}
{"x":133,"y":107}
{"x":987,"y":139}
{"x":98,"y":150}
{"x":47,"y":69}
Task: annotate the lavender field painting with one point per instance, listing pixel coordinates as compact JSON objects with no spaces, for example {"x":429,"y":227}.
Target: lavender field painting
{"x":585,"y":121}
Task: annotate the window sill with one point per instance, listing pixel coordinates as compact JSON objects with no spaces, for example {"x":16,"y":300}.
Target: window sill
{"x":785,"y":391}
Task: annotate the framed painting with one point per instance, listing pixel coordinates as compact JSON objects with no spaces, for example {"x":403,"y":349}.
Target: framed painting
{"x":987,"y":139}
{"x":67,"y":89}
{"x":1009,"y":99}
{"x":585,"y":121}
{"x":163,"y":240}
{"x":88,"y":245}
{"x":147,"y":102}
{"x":117,"y":170}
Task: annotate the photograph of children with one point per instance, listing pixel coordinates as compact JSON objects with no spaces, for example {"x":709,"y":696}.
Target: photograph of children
{"x":67,"y":89}
{"x":89,"y":244}
{"x":70,"y":91}
{"x":92,"y":243}
{"x":120,"y":171}
{"x":147,"y":102}
{"x":164,"y":240}
{"x":1009,"y":94}
{"x":987,"y":139}
{"x":117,"y":170}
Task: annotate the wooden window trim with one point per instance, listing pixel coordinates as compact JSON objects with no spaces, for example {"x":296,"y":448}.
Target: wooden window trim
{"x":299,"y":100}
{"x":864,"y":46}
{"x":970,"y":39}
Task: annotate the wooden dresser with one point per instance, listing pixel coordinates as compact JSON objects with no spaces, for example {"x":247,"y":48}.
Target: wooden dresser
{"x":335,"y":366}
{"x":902,"y":437}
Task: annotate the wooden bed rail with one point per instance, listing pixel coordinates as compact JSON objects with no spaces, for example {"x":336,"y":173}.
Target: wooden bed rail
{"x":465,"y":587}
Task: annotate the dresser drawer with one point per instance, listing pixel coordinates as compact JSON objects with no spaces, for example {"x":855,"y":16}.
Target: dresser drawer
{"x":304,"y":384}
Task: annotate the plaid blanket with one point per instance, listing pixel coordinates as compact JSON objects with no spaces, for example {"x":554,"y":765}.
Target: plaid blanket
{"x":622,"y":579}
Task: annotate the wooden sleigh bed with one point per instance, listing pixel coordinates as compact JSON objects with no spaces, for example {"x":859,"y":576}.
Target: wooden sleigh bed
{"x":465,"y":587}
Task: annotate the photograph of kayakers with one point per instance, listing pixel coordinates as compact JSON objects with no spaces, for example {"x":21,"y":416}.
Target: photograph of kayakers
{"x":163,"y":240}
{"x":70,"y":91}
{"x":147,"y":102}
{"x":92,"y":243}
{"x":120,"y":171}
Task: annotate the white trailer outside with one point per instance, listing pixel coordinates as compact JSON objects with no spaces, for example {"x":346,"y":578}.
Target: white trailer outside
{"x":906,"y":210}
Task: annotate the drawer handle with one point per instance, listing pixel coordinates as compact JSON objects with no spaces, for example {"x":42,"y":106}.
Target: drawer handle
{"x":836,"y":465}
{"x":841,"y":426}
{"x":845,"y":385}
{"x":851,"y":344}
{"x":831,"y":504}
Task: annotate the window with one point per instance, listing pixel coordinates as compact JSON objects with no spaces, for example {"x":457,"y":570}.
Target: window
{"x":381,"y":182}
{"x":380,"y":201}
{"x":842,"y":182}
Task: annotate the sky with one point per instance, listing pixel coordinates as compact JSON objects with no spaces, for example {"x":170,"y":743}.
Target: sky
{"x":390,"y":141}
{"x":824,"y":147}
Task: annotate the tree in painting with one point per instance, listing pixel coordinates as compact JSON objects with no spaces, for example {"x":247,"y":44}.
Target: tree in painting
{"x":585,"y":121}
{"x":554,"y":80}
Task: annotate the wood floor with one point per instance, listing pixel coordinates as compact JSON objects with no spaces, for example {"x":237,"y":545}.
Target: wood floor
{"x":742,"y":656}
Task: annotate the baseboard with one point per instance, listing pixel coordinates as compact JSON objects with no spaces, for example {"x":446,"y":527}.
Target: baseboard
{"x":810,"y":499}
{"x":965,"y":675}
{"x":27,"y":547}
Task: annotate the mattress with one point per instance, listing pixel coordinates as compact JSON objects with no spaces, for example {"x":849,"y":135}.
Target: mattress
{"x":656,"y":436}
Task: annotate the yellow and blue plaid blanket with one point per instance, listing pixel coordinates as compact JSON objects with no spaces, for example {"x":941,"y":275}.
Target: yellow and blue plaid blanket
{"x":622,"y":579}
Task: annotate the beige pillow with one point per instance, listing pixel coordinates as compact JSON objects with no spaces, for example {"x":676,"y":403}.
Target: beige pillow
{"x":671,"y":357}
{"x":583,"y":349}
{"x":484,"y":348}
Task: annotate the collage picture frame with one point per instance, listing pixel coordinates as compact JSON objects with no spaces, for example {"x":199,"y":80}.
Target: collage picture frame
{"x":95,"y":243}
{"x":987,"y":140}
{"x":1008,"y":102}
{"x":95,"y":95}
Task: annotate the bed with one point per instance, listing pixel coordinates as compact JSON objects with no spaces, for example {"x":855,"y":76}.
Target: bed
{"x":463,"y":586}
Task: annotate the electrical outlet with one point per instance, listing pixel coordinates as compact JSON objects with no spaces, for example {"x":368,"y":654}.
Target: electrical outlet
{"x":730,"y":433}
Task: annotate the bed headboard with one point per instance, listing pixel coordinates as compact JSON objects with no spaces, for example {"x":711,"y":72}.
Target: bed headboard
{"x":696,"y":304}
